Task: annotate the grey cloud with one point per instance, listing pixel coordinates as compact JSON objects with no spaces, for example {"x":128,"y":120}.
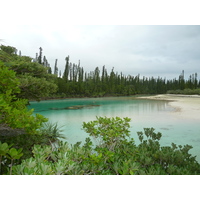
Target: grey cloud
{"x":145,"y":50}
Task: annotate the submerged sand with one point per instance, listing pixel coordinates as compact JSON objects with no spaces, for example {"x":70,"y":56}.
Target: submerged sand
{"x":185,"y":106}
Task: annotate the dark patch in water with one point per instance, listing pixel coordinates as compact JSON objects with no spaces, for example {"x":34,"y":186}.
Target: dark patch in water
{"x":77,"y":107}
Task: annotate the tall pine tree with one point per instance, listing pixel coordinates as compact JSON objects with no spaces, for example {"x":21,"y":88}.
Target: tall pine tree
{"x":56,"y":68}
{"x":40,"y":56}
{"x":67,"y":69}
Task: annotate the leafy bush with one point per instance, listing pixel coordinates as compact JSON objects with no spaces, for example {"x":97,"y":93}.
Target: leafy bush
{"x":108,"y":132}
{"x":156,"y":159}
{"x":48,"y":134}
{"x":185,"y":91}
{"x":14,"y":112}
{"x":114,"y":153}
{"x":51,"y":131}
{"x":18,"y":125}
{"x":8,"y":153}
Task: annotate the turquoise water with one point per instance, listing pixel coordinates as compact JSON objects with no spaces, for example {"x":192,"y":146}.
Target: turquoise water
{"x":143,"y":114}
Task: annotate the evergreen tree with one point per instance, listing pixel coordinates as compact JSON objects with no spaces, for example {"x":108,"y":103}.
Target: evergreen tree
{"x":45,"y":62}
{"x":56,"y":68}
{"x":36,"y":57}
{"x":40,"y":56}
{"x":75,"y":72}
{"x":71,"y":71}
{"x":49,"y":70}
{"x":67,"y":69}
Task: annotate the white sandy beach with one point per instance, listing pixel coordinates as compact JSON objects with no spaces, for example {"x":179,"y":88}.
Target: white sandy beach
{"x":185,"y":106}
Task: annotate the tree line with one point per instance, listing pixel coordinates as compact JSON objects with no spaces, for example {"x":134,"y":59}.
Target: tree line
{"x":76,"y":82}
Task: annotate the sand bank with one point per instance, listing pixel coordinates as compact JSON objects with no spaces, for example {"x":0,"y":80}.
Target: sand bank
{"x":185,"y":106}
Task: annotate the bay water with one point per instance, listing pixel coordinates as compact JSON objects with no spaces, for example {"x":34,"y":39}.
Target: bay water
{"x":71,"y":113}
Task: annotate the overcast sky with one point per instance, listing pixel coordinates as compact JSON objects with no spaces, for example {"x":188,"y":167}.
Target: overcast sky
{"x":148,"y":50}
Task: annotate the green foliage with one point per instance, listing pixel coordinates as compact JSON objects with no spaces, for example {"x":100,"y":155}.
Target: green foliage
{"x":16,"y":115}
{"x":47,"y":134}
{"x":8,"y":80}
{"x":75,"y":160}
{"x":52,"y":131}
{"x":33,"y":78}
{"x":14,"y":112}
{"x":8,"y":49}
{"x":185,"y":91}
{"x":156,"y":159}
{"x":35,"y":88}
{"x":108,"y":132}
{"x":20,"y":117}
{"x":46,"y":161}
{"x":124,"y":158}
{"x":75,"y":83}
{"x":6,"y":152}
{"x":15,"y":154}
{"x":24,"y":66}
{"x":21,"y":78}
{"x":4,"y":148}
{"x":35,"y":82}
{"x":113,"y":152}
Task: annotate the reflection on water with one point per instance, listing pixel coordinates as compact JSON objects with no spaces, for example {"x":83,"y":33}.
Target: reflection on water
{"x":143,"y":113}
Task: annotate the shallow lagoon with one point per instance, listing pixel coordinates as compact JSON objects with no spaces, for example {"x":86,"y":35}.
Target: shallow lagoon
{"x":143,"y":114}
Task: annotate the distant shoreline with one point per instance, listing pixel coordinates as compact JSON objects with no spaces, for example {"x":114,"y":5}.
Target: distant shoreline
{"x":185,"y":106}
{"x":90,"y":97}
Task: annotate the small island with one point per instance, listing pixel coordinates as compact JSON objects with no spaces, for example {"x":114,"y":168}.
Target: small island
{"x":76,"y":107}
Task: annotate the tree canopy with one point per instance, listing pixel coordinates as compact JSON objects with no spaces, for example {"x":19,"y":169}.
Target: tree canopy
{"x":34,"y":80}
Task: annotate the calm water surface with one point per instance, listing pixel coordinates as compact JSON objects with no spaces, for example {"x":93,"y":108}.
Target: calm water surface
{"x":143,"y":114}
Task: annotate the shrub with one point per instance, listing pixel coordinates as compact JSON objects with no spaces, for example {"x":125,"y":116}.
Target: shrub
{"x":115,"y":153}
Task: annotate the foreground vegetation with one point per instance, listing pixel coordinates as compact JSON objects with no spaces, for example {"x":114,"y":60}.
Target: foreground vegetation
{"x":112,"y":153}
{"x":29,"y":144}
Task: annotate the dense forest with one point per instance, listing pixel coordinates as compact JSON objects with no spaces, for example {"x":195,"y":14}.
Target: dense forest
{"x":29,"y":144}
{"x":76,"y":82}
{"x":101,"y":83}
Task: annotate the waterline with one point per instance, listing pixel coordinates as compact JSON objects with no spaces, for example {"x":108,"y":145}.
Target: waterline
{"x":143,"y":114}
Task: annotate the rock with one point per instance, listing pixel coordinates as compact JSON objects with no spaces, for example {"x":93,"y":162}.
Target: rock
{"x":76,"y":107}
{"x":80,"y":107}
{"x":7,"y":131}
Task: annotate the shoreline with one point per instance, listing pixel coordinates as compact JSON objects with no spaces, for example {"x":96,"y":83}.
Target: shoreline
{"x":185,"y":106}
{"x":90,"y":97}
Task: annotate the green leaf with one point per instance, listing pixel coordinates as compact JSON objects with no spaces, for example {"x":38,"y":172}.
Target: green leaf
{"x":15,"y":154}
{"x":4,"y":148}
